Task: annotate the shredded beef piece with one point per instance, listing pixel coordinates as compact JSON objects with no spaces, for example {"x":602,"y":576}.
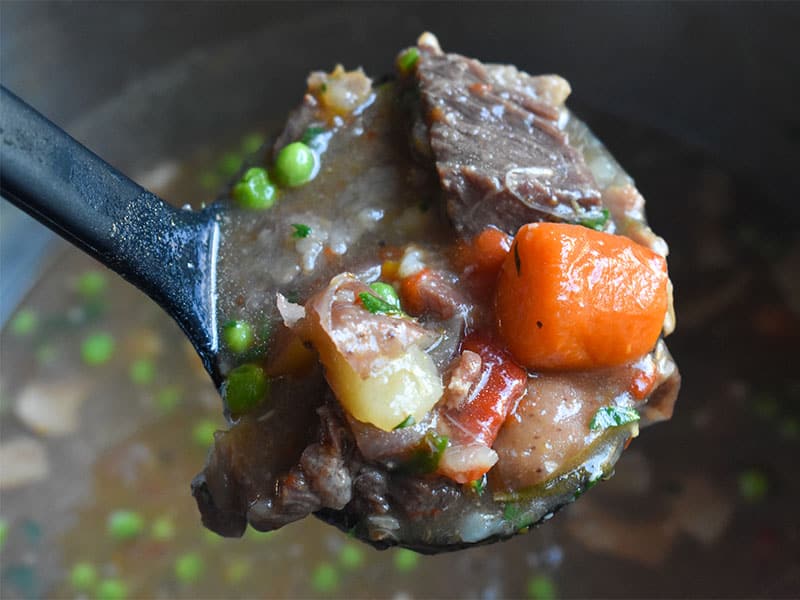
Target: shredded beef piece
{"x":501,"y":157}
{"x":423,"y":496}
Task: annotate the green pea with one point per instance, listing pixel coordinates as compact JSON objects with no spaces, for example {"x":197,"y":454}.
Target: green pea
{"x":229,"y":164}
{"x":245,"y":388}
{"x":386,"y":293}
{"x":97,"y":349}
{"x":163,"y":529}
{"x":83,"y":576}
{"x":254,"y":190}
{"x":142,"y":371}
{"x":203,"y":433}
{"x":295,"y":164}
{"x":189,"y":567}
{"x":351,"y":557}
{"x":541,"y":587}
{"x":325,"y":578}
{"x":238,"y":336}
{"x":25,"y":322}
{"x":251,"y":143}
{"x":168,"y":398}
{"x":405,"y":560}
{"x":112,"y":589}
{"x":91,"y":284}
{"x":124,"y":524}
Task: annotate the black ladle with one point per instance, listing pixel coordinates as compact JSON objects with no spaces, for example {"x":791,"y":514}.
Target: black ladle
{"x":168,"y":253}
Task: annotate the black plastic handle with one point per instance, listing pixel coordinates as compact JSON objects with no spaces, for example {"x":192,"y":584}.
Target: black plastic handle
{"x":168,"y":253}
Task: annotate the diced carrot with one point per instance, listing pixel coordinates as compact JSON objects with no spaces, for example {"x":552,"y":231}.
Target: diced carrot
{"x":501,"y":385}
{"x":481,"y":258}
{"x":644,"y":378}
{"x":389,"y":269}
{"x":569,"y":297}
{"x":411,"y":296}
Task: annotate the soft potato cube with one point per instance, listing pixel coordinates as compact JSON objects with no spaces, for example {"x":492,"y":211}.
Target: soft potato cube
{"x":407,"y":385}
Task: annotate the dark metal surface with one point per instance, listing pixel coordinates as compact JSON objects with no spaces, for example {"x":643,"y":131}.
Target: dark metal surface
{"x":169,"y":254}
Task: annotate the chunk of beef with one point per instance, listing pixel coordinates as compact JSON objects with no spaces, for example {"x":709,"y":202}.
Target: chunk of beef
{"x":501,"y":157}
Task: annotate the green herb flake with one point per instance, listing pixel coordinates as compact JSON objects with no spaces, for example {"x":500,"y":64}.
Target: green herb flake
{"x":514,"y":514}
{"x":753,"y":485}
{"x":325,"y":578}
{"x":409,"y":421}
{"x":24,"y":322}
{"x":83,"y":576}
{"x":377,"y":306}
{"x":613,"y":416}
{"x":479,"y":485}
{"x":595,"y":221}
{"x":300,"y":230}
{"x":427,"y":456}
{"x":189,"y":567}
{"x":383,"y":300}
{"x":541,"y":587}
{"x":407,"y":60}
{"x":311,"y":134}
{"x":142,"y":371}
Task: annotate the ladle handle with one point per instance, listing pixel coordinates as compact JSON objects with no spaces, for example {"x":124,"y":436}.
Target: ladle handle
{"x":168,"y":253}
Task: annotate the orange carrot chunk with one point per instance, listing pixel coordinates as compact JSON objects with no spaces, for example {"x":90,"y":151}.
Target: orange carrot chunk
{"x":481,"y":258}
{"x":569,"y":297}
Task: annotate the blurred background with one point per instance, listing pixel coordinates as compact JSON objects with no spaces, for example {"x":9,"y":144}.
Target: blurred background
{"x":105,"y":414}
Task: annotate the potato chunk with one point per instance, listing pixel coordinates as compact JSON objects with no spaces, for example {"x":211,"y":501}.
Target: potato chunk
{"x":405,"y":385}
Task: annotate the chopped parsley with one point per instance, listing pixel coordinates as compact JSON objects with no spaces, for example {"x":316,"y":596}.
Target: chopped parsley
{"x":384,"y":300}
{"x":514,"y":514}
{"x":595,"y":221}
{"x":479,"y":485}
{"x":613,"y":416}
{"x":311,"y":134}
{"x":409,"y":421}
{"x":300,"y":230}
{"x":426,"y":458}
